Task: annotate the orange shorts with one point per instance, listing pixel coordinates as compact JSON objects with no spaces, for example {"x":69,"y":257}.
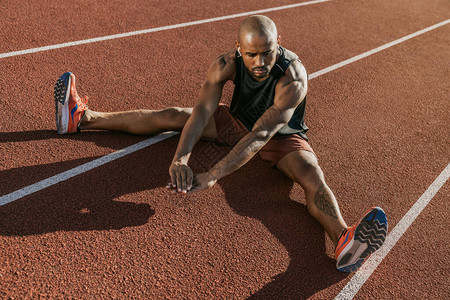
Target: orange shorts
{"x":230,"y":131}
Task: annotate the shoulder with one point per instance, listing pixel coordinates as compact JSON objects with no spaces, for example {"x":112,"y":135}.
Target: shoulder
{"x":223,"y":68}
{"x":294,"y":82}
{"x":295,"y":73}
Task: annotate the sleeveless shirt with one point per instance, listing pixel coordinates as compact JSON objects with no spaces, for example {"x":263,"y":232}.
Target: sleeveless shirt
{"x":251,"y":98}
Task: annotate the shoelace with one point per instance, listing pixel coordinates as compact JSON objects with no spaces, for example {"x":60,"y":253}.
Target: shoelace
{"x":82,"y":102}
{"x":343,"y":233}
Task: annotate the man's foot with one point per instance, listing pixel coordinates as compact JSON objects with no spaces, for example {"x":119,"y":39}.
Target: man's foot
{"x":359,"y":241}
{"x":70,"y":107}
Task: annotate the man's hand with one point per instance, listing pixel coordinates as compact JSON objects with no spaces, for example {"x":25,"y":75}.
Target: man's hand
{"x":203,"y":181}
{"x":181,"y":178}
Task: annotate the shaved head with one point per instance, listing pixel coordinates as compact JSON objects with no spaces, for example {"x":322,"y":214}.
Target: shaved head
{"x":258,"y":45}
{"x":258,"y":26}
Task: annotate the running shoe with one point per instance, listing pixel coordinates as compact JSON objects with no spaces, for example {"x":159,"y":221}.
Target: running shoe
{"x":70,"y":107}
{"x":356,"y":243}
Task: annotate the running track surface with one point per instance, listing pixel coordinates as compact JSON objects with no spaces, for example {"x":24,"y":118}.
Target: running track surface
{"x":379,"y":126}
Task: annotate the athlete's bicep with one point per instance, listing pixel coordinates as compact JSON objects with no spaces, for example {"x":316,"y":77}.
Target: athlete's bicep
{"x":292,"y":87}
{"x":287,"y":98}
{"x":271,"y":122}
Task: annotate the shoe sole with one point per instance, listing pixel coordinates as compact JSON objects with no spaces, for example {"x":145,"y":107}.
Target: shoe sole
{"x":370,"y":235}
{"x":61,"y":93}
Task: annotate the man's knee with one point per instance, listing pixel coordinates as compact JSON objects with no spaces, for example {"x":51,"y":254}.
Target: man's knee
{"x":177,"y":112}
{"x":311,"y":174}
{"x":175,"y":116}
{"x":303,"y":168}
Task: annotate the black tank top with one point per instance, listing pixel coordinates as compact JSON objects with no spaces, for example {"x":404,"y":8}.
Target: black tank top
{"x":252,"y":98}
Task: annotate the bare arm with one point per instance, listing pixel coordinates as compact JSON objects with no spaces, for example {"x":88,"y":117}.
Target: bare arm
{"x":220,"y":71}
{"x":210,"y":95}
{"x":290,"y":91}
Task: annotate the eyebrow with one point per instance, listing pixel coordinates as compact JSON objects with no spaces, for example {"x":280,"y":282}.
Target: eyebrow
{"x":248,"y":52}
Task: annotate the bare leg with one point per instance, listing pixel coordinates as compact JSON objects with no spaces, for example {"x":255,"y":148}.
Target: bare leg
{"x":302,"y":167}
{"x":145,"y":122}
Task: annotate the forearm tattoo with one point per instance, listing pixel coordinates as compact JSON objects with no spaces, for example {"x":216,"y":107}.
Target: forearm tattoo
{"x":238,"y":156}
{"x":324,"y":202}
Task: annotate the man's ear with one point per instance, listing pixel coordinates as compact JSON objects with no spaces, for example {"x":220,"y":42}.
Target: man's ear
{"x":238,"y":47}
{"x":279,"y":40}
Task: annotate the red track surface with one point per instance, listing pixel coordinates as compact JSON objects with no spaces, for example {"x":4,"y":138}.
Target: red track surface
{"x":379,"y":126}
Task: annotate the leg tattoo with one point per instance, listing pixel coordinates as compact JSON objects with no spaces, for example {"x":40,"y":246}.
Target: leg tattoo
{"x":323,"y":201}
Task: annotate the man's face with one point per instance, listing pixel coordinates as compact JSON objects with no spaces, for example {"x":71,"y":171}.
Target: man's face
{"x":259,"y":54}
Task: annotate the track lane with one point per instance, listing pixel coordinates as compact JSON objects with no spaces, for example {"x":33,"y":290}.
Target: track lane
{"x":438,"y":263}
{"x":54,"y":22}
{"x":417,"y":267}
{"x":155,"y":29}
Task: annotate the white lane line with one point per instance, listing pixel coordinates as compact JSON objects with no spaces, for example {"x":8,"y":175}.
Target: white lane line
{"x":360,"y":277}
{"x":376,"y":50}
{"x":82,"y":168}
{"x":150,"y":30}
{"x":88,"y":166}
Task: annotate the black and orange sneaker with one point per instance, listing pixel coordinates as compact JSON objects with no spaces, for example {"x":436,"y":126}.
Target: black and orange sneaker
{"x":70,"y":107}
{"x":356,"y":243}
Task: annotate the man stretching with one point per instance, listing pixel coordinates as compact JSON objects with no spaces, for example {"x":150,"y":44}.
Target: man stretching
{"x":266,"y":116}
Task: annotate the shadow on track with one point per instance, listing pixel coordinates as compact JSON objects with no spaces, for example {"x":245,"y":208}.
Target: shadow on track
{"x":261,"y":192}
{"x":89,"y":201}
{"x":108,"y":139}
{"x":16,"y":178}
{"x":94,"y":201}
